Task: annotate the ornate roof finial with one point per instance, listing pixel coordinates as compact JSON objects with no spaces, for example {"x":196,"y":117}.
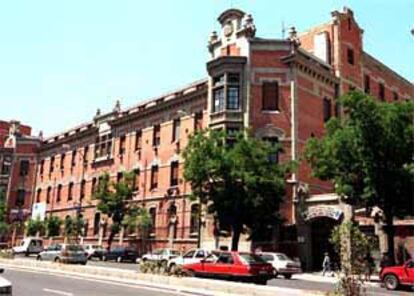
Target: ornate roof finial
{"x":293,"y":37}
{"x":249,"y":26}
{"x":117,"y":107}
{"x":98,"y":112}
{"x":41,"y":134}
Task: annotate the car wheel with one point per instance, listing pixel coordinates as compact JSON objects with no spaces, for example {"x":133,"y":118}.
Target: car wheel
{"x":119,"y":259}
{"x":262,"y":282}
{"x":190,"y":273}
{"x":57,"y":260}
{"x":172,"y":268}
{"x":104,"y":258}
{"x":391,"y":282}
{"x":84,"y":263}
{"x":287,"y":276}
{"x":144,"y":260}
{"x":39,"y":258}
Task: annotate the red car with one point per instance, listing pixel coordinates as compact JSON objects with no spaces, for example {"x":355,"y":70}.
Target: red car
{"x":232,"y":265}
{"x":394,"y":276}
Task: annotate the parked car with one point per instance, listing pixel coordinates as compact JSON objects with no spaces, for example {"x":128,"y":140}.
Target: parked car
{"x":64,"y":253}
{"x":121,"y":254}
{"x":282,"y":264}
{"x":160,"y":255}
{"x":192,"y":256}
{"x":29,"y":245}
{"x":95,"y":251}
{"x":232,"y":265}
{"x":395,"y":276}
{"x":6,"y":288}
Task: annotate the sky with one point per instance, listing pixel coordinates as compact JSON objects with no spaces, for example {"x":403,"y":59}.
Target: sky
{"x":61,"y":60}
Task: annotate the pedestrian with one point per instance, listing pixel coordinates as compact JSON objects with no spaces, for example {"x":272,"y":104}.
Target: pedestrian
{"x":326,"y":264}
{"x":368,"y":266}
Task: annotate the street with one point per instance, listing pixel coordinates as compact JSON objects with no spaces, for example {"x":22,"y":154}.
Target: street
{"x":41,"y":281}
{"x":27,"y":283}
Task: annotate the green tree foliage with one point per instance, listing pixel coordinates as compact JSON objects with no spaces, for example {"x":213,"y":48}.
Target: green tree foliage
{"x":113,"y":200}
{"x":73,"y":227}
{"x":353,"y":246}
{"x":238,"y":180}
{"x":34,"y":227}
{"x":4,"y":226}
{"x":368,"y":155}
{"x":53,"y":225}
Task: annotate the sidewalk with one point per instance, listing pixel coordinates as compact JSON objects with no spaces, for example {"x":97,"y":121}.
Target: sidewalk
{"x":318,"y":277}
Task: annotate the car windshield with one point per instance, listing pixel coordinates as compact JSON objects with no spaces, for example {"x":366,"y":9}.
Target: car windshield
{"x":283,"y":257}
{"x":74,"y":248}
{"x":267,"y":257}
{"x":174,"y":252}
{"x":158,"y":252}
{"x":247,"y":258}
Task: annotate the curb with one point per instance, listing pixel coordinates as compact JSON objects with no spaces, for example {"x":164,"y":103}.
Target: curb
{"x":191,"y":286}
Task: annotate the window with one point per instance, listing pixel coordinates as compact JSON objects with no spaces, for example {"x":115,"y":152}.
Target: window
{"x":135,"y":184}
{"x":5,"y":170}
{"x":119,"y":177}
{"x":38,"y":195}
{"x":138,"y":140}
{"x":21,"y":193}
{"x":62,"y":161}
{"x":337,"y":110}
{"x":122,"y":143}
{"x":198,"y":121}
{"x":273,"y":141}
{"x":225,"y":258}
{"x":218,"y":100}
{"x":349,"y":21}
{"x":48,"y":194}
{"x":156,"y":136}
{"x":93,"y":187}
{"x":96,"y":222}
{"x":367,"y":84}
{"x":59,"y":193}
{"x":85,"y":155}
{"x":153,"y":215}
{"x":52,"y":165}
{"x":41,"y":167}
{"x":201,"y":254}
{"x":103,"y":146}
{"x":24,"y":168}
{"x":189,"y":254}
{"x":194,"y":219}
{"x":70,"y":191}
{"x":381,"y":92}
{"x":395,"y":96}
{"x":270,"y":96}
{"x":174,"y":173}
{"x":233,"y":96}
{"x":350,"y":56}
{"x":73,"y":161}
{"x":154,"y":177}
{"x":82,"y":189}
{"x":176,"y":130}
{"x":326,"y":109}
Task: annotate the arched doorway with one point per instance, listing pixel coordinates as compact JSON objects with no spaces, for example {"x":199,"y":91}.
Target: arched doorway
{"x":321,"y":229}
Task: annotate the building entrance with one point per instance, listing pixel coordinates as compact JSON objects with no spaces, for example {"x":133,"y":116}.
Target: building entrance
{"x":321,"y":229}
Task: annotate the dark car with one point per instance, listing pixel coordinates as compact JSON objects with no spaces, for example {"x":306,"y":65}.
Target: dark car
{"x":121,"y":254}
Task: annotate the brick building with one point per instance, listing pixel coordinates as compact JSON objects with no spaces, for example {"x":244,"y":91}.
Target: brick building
{"x":284,"y":90}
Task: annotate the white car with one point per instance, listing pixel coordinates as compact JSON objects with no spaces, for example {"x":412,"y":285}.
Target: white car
{"x":282,"y":264}
{"x":160,"y":255}
{"x":5,"y":286}
{"x":192,"y":256}
{"x":95,"y":251}
{"x":28,"y":246}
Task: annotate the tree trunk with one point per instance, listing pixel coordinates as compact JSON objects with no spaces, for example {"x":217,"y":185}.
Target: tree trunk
{"x":390,"y":231}
{"x":121,"y":235}
{"x":237,"y":229}
{"x":110,"y":239}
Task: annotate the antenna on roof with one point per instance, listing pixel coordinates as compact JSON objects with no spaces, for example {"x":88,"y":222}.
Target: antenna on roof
{"x":283,"y":30}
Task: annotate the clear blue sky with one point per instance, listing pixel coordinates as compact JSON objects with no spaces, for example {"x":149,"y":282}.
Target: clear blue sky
{"x":61,"y":60}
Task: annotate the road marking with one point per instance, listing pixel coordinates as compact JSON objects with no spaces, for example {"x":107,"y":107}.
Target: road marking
{"x":58,"y":292}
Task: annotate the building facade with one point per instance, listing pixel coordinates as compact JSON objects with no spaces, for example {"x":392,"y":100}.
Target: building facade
{"x":283,"y":90}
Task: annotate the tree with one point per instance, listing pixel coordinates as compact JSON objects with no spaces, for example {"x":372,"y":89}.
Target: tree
{"x":35,"y":227}
{"x":73,"y":227}
{"x":53,"y":225}
{"x":236,"y":177}
{"x":368,"y":155}
{"x":4,"y":226}
{"x":112,"y":200}
{"x":138,"y":219}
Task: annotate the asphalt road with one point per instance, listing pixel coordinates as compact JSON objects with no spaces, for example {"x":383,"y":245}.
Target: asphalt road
{"x":40,"y":284}
{"x":279,"y":282}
